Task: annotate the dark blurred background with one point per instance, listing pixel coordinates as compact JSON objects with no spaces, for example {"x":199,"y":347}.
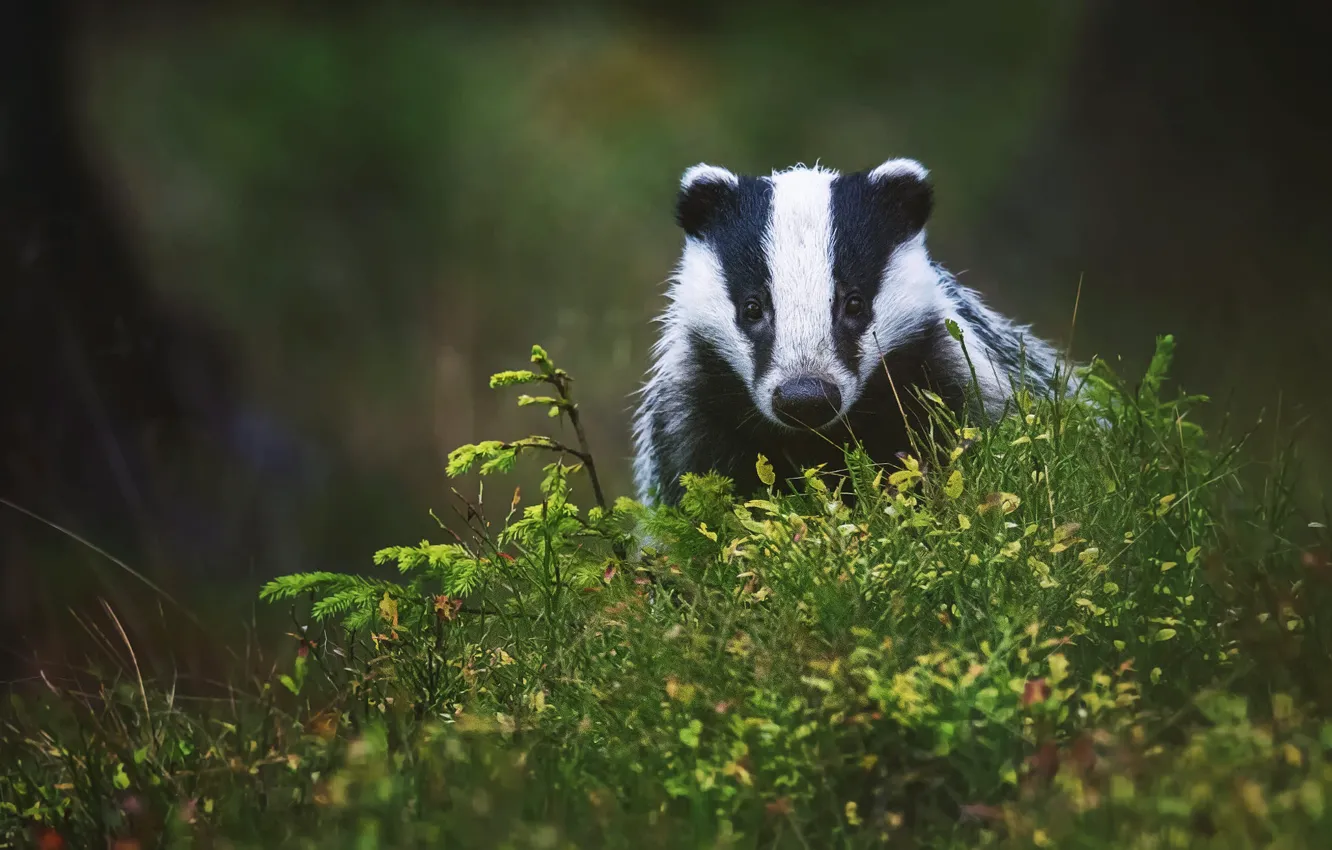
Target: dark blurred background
{"x":257,"y":260}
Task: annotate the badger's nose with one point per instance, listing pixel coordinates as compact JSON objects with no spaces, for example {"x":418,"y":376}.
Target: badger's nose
{"x":806,"y":402}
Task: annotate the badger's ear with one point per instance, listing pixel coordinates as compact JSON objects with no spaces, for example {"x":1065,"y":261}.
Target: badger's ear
{"x":704,"y":190}
{"x":904,"y":193}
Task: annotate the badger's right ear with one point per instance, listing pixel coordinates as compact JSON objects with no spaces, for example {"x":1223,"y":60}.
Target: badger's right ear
{"x":704,"y":191}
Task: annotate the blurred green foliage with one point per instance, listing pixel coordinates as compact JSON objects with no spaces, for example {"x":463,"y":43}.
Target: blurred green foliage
{"x":373,"y":204}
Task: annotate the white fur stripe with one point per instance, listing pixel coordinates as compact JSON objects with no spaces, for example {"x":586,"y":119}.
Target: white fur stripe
{"x":799,"y":248}
{"x":909,"y":291}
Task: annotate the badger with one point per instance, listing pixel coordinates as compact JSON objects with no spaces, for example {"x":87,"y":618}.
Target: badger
{"x":802,"y":313}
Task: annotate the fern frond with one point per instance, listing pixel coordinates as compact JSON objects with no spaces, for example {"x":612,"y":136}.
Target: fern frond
{"x":465,"y":577}
{"x":286,"y":587}
{"x":361,"y":593}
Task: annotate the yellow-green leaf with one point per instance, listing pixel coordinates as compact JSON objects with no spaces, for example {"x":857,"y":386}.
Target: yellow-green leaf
{"x":1006,"y":502}
{"x":765,"y":471}
{"x":1311,"y":798}
{"x":1165,"y":634}
{"x":903,"y":478}
{"x":1058,"y":668}
{"x":388,"y":608}
{"x":1065,"y":531}
{"x":1121,"y":788}
{"x":953,"y":488}
{"x":764,"y":505}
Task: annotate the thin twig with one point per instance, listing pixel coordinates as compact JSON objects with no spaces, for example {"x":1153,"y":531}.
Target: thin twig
{"x":561,"y":384}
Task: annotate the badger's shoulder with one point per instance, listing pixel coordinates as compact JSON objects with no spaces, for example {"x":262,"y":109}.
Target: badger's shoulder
{"x":1012,"y":352}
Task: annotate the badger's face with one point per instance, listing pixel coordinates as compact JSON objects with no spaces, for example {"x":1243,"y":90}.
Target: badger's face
{"x":804,"y":279}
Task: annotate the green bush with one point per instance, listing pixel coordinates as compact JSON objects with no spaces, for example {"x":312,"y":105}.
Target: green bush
{"x":1077,"y":627}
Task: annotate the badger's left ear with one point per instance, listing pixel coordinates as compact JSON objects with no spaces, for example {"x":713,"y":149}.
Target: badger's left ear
{"x":902,"y":188}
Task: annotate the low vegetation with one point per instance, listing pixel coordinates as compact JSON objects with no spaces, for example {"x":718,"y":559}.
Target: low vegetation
{"x":1080,"y":627}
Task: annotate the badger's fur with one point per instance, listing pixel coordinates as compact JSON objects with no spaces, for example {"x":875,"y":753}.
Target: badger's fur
{"x":804,"y":308}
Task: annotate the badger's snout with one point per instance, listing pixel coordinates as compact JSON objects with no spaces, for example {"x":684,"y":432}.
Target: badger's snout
{"x":806,"y":402}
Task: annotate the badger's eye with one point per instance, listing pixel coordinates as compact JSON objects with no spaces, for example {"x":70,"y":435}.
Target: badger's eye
{"x":855,"y":305}
{"x":753,"y":311}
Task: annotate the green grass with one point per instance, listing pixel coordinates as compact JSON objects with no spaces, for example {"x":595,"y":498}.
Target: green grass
{"x":1080,"y":627}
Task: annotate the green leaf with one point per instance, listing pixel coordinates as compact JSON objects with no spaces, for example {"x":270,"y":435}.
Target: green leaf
{"x":295,"y":683}
{"x":525,"y":400}
{"x":1161,"y":359}
{"x":1164,"y":634}
{"x":689,"y":735}
{"x":953,"y":330}
{"x":824,"y":685}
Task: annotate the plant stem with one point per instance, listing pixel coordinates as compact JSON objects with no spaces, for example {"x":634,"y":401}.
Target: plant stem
{"x":561,"y":384}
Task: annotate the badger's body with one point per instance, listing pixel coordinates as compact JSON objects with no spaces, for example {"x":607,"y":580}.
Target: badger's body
{"x":804,"y":309}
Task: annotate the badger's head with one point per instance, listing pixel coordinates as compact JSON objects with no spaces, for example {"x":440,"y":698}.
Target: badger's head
{"x":803,"y":280}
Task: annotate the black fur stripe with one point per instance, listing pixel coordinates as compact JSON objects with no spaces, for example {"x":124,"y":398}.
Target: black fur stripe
{"x":737,"y":240}
{"x":863,"y":240}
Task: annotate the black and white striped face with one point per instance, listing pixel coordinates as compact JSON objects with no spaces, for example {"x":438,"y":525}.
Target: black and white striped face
{"x":803,"y":279}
